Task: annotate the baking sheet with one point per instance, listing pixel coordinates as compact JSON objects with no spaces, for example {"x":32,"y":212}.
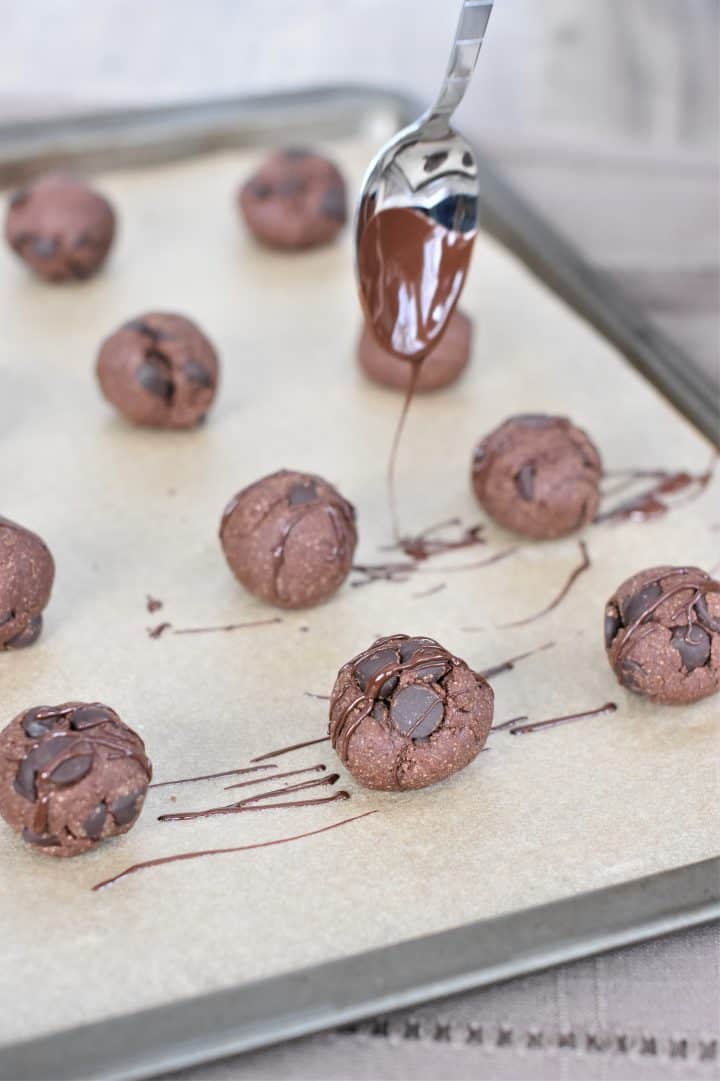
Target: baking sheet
{"x":129,"y":512}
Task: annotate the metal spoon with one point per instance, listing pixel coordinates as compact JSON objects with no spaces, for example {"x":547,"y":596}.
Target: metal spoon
{"x":430,"y":169}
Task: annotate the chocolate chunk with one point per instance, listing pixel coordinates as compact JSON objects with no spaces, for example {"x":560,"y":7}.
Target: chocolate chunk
{"x":693,"y":645}
{"x":69,"y":775}
{"x":154,"y":375}
{"x":418,"y":649}
{"x":289,"y":538}
{"x":387,"y":746}
{"x":384,"y":658}
{"x":538,"y":475}
{"x":94,"y":823}
{"x":171,"y":386}
{"x":416,"y":711}
{"x":198,"y":374}
{"x":295,"y":200}
{"x":467,"y":159}
{"x":302,"y":493}
{"x":525,"y":481}
{"x":637,"y":605}
{"x":123,"y":808}
{"x":612,"y":624}
{"x":61,"y":228}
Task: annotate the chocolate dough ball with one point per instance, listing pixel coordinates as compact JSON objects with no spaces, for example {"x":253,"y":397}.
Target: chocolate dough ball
{"x":406,"y":713}
{"x":295,"y":200}
{"x":27,"y":571}
{"x":71,"y":776}
{"x":289,"y":538}
{"x":60,"y":227}
{"x":159,"y":370}
{"x":662,"y":634}
{"x":441,"y":367}
{"x":538,"y":475}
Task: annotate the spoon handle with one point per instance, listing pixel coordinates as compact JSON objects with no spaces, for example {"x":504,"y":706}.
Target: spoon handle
{"x":474,"y":16}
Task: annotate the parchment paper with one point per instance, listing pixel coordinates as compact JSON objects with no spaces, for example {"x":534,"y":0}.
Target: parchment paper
{"x":129,"y":512}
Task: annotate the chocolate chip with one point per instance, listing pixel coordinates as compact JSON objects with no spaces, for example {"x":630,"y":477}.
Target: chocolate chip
{"x":93,"y":824}
{"x":45,"y":839}
{"x":525,"y":482}
{"x":27,"y":635}
{"x":333,"y":204}
{"x":629,"y":674}
{"x":123,"y":809}
{"x":291,"y":185}
{"x":89,"y":717}
{"x":260,"y":189}
{"x":154,"y":375}
{"x":413,"y":646}
{"x":34,"y":762}
{"x":7,"y":617}
{"x":302,"y":493}
{"x":45,"y":246}
{"x":467,"y":159}
{"x":35,"y":727}
{"x":82,"y":240}
{"x":416,"y":711}
{"x":197,"y":373}
{"x":72,"y":769}
{"x":142,"y":328}
{"x":693,"y":645}
{"x":368,"y":667}
{"x":19,"y":197}
{"x":632,"y":608}
{"x":434,"y":161}
{"x":612,"y":625}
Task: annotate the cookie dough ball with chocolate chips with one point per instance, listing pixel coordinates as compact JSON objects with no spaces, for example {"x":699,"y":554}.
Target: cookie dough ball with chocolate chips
{"x":662,"y":634}
{"x":159,"y":370}
{"x":538,"y":475}
{"x":289,"y":538}
{"x":27,"y":571}
{"x":295,"y":200}
{"x":71,"y":776}
{"x":441,"y":367}
{"x":60,"y":227}
{"x":407,"y":713}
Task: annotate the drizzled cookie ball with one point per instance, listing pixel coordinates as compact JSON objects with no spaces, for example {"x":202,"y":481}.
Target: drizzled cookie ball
{"x":71,"y":776}
{"x":159,"y":370}
{"x":662,"y":634}
{"x":441,"y":367}
{"x":538,"y":475}
{"x":60,"y":228}
{"x":406,"y":713}
{"x":27,"y":571}
{"x":296,"y":199}
{"x":289,"y":538}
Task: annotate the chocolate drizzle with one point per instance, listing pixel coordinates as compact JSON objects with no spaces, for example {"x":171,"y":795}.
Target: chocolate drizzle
{"x":508,"y":665}
{"x":223,"y":851}
{"x":287,"y":750}
{"x":552,"y":722}
{"x":248,"y":803}
{"x":214,"y":776}
{"x":582,"y":566}
{"x":653,"y":503}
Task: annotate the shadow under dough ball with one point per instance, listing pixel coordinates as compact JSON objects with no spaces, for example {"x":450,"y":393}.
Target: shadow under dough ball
{"x":289,"y":538}
{"x":159,"y":370}
{"x":295,"y":200}
{"x":662,"y":634}
{"x":441,"y":367}
{"x":60,"y":227}
{"x":538,"y":475}
{"x":407,"y":713}
{"x":27,"y":571}
{"x":71,"y":776}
